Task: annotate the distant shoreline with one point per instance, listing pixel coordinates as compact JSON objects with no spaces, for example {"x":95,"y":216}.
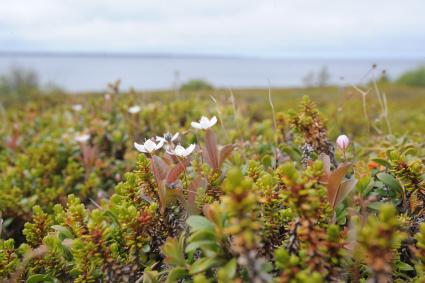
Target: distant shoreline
{"x":81,"y":71}
{"x":83,"y":54}
{"x":121,"y":55}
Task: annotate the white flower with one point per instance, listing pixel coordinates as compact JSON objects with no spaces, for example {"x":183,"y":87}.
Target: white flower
{"x":134,"y":109}
{"x":82,"y":138}
{"x":107,"y":96}
{"x":342,"y":142}
{"x":148,"y":146}
{"x":168,"y":137}
{"x":204,"y":123}
{"x":181,"y":151}
{"x":77,"y":107}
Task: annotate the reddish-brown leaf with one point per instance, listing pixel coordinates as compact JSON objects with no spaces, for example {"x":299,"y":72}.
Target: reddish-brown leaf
{"x":225,"y":153}
{"x":162,"y":193}
{"x":169,"y":159}
{"x":210,"y":150}
{"x":175,"y":172}
{"x":326,"y":163}
{"x":344,"y":189}
{"x":159,"y":168}
{"x":335,"y":180}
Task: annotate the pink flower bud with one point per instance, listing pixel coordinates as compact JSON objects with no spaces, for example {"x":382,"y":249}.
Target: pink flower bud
{"x":342,"y":142}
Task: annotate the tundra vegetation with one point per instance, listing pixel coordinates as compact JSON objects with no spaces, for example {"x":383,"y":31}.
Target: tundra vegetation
{"x":214,"y":186}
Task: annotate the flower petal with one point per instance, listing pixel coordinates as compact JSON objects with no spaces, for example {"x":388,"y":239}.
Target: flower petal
{"x":158,"y":139}
{"x":150,"y":146}
{"x":140,"y":147}
{"x":159,"y":145}
{"x":212,"y":122}
{"x":134,"y":109}
{"x":196,"y":125}
{"x":190,"y":149}
{"x":204,"y":122}
{"x":82,"y":138}
{"x":179,"y":150}
{"x":176,"y":135}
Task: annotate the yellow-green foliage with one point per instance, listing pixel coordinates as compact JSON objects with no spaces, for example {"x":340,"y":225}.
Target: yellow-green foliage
{"x":251,"y":203}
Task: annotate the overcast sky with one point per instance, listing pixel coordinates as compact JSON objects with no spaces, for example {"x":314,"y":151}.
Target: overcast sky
{"x":268,"y":28}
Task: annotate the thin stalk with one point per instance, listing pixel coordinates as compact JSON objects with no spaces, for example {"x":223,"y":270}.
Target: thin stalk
{"x":272,"y":106}
{"x":274,"y":123}
{"x":232,"y":98}
{"x":384,"y":96}
{"x":219,"y":114}
{"x":364,"y":94}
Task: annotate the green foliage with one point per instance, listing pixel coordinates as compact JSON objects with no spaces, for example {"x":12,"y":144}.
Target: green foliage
{"x":249,"y":204}
{"x":413,"y":78}
{"x":196,"y":85}
{"x":311,"y":129}
{"x":19,"y":83}
{"x":377,"y":241}
{"x":8,"y":257}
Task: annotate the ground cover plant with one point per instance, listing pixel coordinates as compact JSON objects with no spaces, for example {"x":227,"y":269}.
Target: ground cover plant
{"x":214,"y":186}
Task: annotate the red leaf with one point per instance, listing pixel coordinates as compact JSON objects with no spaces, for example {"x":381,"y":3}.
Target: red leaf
{"x":159,"y":168}
{"x":162,"y":193}
{"x":334,"y":182}
{"x":169,"y":159}
{"x":211,"y":151}
{"x":174,"y":173}
{"x":326,"y":163}
{"x":344,"y":189}
{"x":224,"y":153}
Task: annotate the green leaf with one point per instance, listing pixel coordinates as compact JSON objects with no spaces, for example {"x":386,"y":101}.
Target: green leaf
{"x":382,"y":162}
{"x":390,"y":181}
{"x":375,"y":205}
{"x":210,"y":245}
{"x":66,"y":252}
{"x":267,"y":161}
{"x":173,"y":251}
{"x":201,"y":235}
{"x":410,"y":150}
{"x":64,"y":233}
{"x":112,"y":215}
{"x":176,"y":274}
{"x":404,"y":266}
{"x":37,"y":278}
{"x":197,"y":222}
{"x":341,"y":215}
{"x":203,"y":264}
{"x":364,"y":185}
{"x":227,"y":272}
{"x":292,"y":152}
{"x":150,"y":276}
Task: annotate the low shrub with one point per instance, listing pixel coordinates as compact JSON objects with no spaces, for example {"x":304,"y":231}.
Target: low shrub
{"x":413,"y":78}
{"x":91,"y":190}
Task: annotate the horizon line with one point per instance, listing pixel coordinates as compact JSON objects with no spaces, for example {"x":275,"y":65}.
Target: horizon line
{"x":123,"y":54}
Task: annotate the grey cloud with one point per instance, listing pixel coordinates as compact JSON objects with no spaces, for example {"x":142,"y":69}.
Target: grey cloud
{"x":270,"y":27}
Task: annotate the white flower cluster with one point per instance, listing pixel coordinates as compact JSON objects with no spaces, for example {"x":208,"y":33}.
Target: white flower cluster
{"x":152,"y":145}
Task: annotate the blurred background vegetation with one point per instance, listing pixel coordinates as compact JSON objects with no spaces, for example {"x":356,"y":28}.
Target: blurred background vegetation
{"x":413,"y":78}
{"x":406,"y":97}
